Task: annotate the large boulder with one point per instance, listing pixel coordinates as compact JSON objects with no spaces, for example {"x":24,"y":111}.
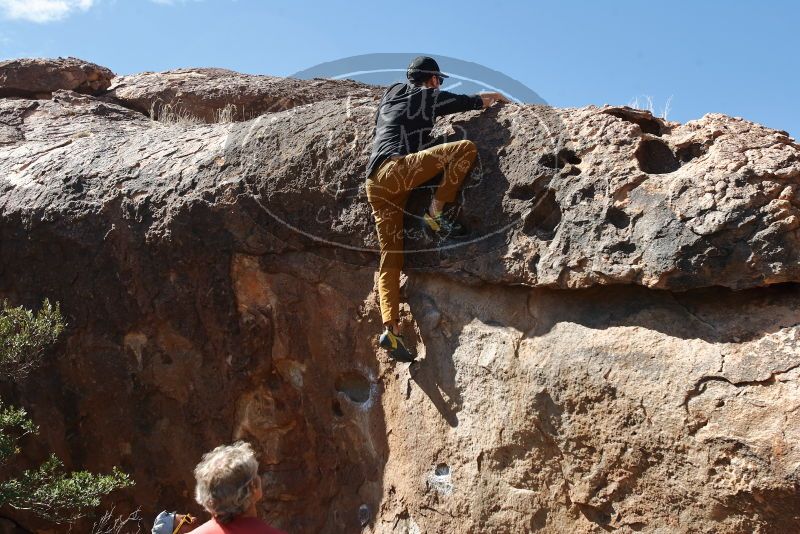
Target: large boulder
{"x":586,"y":361}
{"x":220,"y":95}
{"x":39,"y":77}
{"x":568,"y":198}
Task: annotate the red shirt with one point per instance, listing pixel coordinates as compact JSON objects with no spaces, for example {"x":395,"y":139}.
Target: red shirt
{"x":240,"y":525}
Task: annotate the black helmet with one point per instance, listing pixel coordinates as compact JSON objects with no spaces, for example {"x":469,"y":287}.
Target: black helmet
{"x":422,"y":68}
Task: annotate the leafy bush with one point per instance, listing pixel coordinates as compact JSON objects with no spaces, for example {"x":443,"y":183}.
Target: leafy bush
{"x":48,"y":490}
{"x":24,"y":337}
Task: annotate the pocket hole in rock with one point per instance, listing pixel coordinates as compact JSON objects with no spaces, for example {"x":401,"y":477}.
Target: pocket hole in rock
{"x":354,"y":385}
{"x":618,"y":218}
{"x":624,"y":248}
{"x":442,"y":470}
{"x":689,"y":152}
{"x":568,"y":156}
{"x":549,"y":160}
{"x":544,"y":217}
{"x":655,"y":157}
{"x":560,"y":160}
{"x":530,"y":190}
{"x":587,"y":193}
{"x":522,"y":191}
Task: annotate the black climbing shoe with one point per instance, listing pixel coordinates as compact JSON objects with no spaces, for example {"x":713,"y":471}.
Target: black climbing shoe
{"x":397,"y":349}
{"x":444,"y":227}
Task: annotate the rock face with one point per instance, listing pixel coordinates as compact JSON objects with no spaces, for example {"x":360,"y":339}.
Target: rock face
{"x":586,"y":361}
{"x":39,"y":77}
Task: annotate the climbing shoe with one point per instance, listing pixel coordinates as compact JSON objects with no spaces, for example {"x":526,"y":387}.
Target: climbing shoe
{"x":394,"y":344}
{"x":444,"y":227}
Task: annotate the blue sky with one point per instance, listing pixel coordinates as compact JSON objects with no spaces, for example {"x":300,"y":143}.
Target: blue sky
{"x":735,"y":57}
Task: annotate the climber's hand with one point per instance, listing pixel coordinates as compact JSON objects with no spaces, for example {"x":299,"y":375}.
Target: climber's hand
{"x":490,"y":98}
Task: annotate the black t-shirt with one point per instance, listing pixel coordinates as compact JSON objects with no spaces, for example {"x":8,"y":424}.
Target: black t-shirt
{"x":405,"y":118}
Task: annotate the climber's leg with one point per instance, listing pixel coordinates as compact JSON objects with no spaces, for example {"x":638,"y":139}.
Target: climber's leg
{"x":387,"y":196}
{"x":389,"y":224}
{"x":454,"y":161}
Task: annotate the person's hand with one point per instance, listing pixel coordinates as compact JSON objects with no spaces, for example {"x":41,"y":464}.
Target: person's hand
{"x":184,"y":523}
{"x":490,"y":98}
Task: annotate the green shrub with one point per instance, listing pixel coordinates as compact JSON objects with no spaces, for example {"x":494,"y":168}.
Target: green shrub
{"x":25,"y":336}
{"x":48,"y":490}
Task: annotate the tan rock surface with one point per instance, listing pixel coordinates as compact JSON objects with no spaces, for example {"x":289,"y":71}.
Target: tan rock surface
{"x":219,"y":95}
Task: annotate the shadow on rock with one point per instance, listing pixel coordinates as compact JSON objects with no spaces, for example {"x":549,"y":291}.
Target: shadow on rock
{"x":436,"y":373}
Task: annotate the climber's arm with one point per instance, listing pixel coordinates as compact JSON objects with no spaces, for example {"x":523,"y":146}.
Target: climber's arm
{"x":446,"y":102}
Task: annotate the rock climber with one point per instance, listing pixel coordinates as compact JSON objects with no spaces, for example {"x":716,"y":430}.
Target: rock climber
{"x":403,"y":158}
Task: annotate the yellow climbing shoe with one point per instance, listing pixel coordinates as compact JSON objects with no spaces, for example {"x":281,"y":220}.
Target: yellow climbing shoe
{"x":394,"y":344}
{"x":443,"y":227}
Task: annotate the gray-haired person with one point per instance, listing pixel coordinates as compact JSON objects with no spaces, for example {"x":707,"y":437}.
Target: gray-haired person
{"x":228,"y":487}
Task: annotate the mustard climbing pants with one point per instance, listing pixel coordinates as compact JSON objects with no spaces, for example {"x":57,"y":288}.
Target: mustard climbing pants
{"x":387,"y":190}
